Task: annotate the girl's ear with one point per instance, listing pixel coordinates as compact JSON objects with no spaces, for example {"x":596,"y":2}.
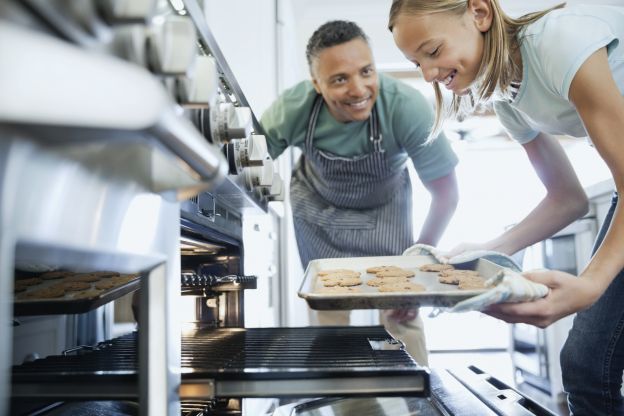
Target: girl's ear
{"x":481,"y":11}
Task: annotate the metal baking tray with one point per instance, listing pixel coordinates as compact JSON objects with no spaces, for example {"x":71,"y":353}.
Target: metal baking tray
{"x":436,"y":294}
{"x":67,"y":304}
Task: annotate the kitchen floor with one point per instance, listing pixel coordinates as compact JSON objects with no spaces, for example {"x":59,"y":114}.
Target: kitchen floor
{"x":496,"y":364}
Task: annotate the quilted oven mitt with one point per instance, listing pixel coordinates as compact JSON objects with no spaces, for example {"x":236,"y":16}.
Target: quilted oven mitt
{"x":508,"y":285}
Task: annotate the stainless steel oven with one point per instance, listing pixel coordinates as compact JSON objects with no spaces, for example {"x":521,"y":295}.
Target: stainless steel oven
{"x":147,"y":189}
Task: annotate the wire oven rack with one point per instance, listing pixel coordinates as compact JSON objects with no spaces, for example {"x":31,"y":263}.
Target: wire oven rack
{"x":238,"y":362}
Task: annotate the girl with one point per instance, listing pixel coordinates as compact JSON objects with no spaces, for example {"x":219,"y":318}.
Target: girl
{"x":560,"y":71}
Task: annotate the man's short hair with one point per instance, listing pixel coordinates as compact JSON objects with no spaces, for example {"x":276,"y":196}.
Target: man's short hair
{"x":332,"y":33}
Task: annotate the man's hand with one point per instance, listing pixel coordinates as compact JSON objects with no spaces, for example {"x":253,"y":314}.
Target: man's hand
{"x":403,"y":315}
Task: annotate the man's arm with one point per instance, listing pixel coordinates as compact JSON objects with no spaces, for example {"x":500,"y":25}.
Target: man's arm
{"x":444,"y":199}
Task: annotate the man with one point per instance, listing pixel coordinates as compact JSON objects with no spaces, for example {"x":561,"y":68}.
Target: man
{"x":350,"y":191}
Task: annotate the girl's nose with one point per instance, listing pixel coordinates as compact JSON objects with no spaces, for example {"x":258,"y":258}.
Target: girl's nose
{"x":429,"y":73}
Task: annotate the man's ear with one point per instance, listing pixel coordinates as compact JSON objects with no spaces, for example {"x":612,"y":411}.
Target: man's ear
{"x":481,"y":11}
{"x":315,"y":84}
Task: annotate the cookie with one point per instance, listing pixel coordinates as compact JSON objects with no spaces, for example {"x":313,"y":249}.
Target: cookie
{"x":105,"y":274}
{"x":338,"y":274}
{"x":105,"y":284}
{"x":19,"y":288}
{"x":435,"y":267}
{"x":54,"y":275}
{"x":456,"y":272}
{"x":86,"y":294}
{"x":337,"y":271}
{"x":471,"y":283}
{"x":448,"y":279}
{"x":396,"y":273}
{"x":339,"y":289}
{"x":73,"y":286}
{"x":453,"y":277}
{"x":378,"y":281}
{"x":30,"y":281}
{"x":83,"y":277}
{"x":51,"y":292}
{"x":378,"y":269}
{"x":402,"y":287}
{"x":123,"y":278}
{"x":342,"y":281}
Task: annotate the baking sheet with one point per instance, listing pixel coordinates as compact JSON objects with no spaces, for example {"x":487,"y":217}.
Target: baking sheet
{"x":436,"y":293}
{"x":68,"y":303}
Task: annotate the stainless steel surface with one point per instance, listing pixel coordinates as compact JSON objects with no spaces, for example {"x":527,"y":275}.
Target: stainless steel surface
{"x":465,"y":391}
{"x":53,"y":107}
{"x":436,"y":293}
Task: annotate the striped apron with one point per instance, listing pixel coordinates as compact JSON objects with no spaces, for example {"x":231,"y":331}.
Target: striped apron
{"x":349,"y":207}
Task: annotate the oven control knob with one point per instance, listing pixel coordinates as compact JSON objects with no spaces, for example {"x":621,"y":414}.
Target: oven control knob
{"x":254,"y":150}
{"x":228,"y":122}
{"x":199,"y":88}
{"x":232,"y":152}
{"x":172,"y":45}
{"x":276,"y":191}
{"x":126,"y":11}
{"x":259,"y":176}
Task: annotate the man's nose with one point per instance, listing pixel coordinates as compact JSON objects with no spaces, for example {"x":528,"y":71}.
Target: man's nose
{"x":358,"y":87}
{"x":429,"y":73}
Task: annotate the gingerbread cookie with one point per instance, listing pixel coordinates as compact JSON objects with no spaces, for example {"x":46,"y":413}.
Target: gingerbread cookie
{"x":30,"y":281}
{"x":86,"y":294}
{"x":342,"y":281}
{"x":435,"y":267}
{"x":339,"y":289}
{"x":402,"y":287}
{"x":51,"y":292}
{"x":396,"y":273}
{"x":378,"y":269}
{"x":54,"y":275}
{"x":379,"y":281}
{"x":471,"y":283}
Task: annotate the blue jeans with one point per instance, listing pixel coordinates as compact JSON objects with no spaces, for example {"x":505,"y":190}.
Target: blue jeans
{"x":592,"y":359}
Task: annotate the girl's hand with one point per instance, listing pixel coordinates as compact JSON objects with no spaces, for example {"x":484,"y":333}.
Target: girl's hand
{"x":568,"y":294}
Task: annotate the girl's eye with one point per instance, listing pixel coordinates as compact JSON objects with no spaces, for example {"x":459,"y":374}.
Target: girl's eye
{"x":434,"y":52}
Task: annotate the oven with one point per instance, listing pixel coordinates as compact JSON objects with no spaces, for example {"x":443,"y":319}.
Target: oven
{"x":149,"y":190}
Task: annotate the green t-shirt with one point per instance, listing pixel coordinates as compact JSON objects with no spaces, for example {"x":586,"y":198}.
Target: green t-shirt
{"x":405,"y":120}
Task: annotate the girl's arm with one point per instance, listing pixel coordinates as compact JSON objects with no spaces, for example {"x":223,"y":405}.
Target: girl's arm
{"x":601,"y":107}
{"x":565,"y":200}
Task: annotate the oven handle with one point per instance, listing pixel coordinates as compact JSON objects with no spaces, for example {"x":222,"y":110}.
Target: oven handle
{"x":68,"y":95}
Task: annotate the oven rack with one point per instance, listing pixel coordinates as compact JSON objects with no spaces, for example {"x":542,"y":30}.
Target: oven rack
{"x":237,"y":363}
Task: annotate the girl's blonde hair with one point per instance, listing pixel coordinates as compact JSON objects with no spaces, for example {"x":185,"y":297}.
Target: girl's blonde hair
{"x":497,"y":69}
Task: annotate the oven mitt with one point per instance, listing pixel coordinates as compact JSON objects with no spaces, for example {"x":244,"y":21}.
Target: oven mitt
{"x":508,"y":286}
{"x":465,"y":257}
{"x":425,"y":250}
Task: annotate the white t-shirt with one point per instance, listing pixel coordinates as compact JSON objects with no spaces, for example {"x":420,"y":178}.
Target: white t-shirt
{"x":553,"y":49}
